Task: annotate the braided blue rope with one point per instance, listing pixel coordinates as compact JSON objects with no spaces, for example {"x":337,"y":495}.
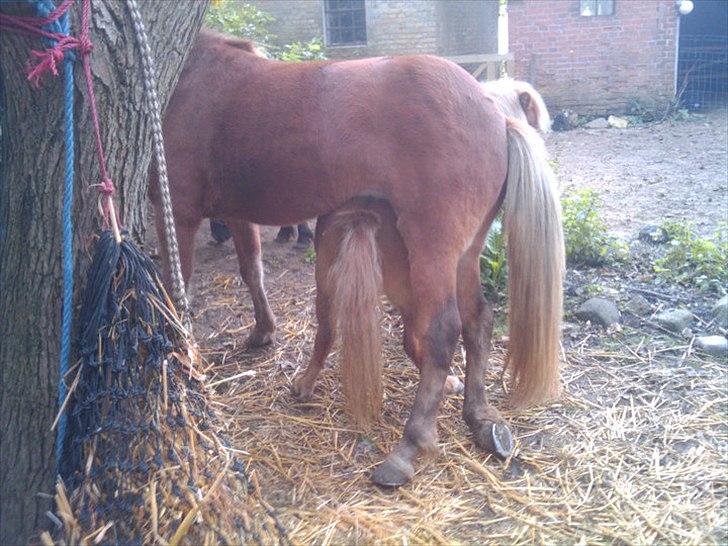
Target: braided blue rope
{"x":44,"y":8}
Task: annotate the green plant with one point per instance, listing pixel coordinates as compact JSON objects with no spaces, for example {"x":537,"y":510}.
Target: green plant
{"x":691,"y":259}
{"x":245,"y":20}
{"x":240,"y":19}
{"x":555,"y":165}
{"x":585,"y":233}
{"x":313,"y":50}
{"x":493,"y":264}
{"x":310,"y":255}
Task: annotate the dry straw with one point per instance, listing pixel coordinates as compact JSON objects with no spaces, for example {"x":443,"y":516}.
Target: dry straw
{"x":634,"y":452}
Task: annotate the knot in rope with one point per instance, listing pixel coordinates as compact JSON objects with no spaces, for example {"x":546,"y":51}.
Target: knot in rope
{"x":107,"y":187}
{"x":84,"y":45}
{"x":49,"y":59}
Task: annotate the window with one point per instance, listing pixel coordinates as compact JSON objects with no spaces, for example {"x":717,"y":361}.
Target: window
{"x":345,"y":22}
{"x":589,"y":8}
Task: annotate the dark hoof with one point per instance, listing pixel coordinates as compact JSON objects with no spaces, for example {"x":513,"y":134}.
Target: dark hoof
{"x":495,"y":438}
{"x":301,"y":393}
{"x":259,"y":339}
{"x":393,"y":472}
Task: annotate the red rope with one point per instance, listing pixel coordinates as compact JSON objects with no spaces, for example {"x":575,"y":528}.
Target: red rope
{"x":49,"y":59}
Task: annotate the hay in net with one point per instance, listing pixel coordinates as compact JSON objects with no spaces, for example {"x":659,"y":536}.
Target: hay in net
{"x":146,"y":459}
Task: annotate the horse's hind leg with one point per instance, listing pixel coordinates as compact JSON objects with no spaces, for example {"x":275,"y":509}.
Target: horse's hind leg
{"x":434,"y":333}
{"x":246,"y":237}
{"x":488,"y":428}
{"x":326,"y":248}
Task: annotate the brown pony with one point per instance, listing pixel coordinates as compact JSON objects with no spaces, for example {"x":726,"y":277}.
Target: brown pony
{"x":406,"y":162}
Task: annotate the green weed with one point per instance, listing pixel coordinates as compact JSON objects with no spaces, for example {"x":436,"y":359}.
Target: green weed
{"x":585,"y":233}
{"x":493,"y":266}
{"x":310,"y":255}
{"x":694,"y":260}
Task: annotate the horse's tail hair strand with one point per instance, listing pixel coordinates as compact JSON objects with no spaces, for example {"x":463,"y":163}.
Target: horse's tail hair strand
{"x":535,"y":267}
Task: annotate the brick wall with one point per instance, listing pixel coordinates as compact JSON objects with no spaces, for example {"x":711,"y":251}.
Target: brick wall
{"x":396,"y":27}
{"x":595,"y":64}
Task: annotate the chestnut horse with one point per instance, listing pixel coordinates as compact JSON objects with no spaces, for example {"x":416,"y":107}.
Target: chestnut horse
{"x":406,"y":162}
{"x":514,"y":98}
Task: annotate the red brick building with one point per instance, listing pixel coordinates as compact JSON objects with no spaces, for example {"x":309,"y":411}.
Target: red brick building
{"x":596,"y":56}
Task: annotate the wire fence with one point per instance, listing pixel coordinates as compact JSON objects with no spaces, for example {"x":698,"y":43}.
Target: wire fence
{"x":703,"y":72}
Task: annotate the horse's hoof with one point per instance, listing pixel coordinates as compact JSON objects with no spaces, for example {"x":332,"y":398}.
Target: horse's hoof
{"x":495,"y":438}
{"x":453,"y":385}
{"x":301,"y":392}
{"x":393,"y":472}
{"x":259,"y":339}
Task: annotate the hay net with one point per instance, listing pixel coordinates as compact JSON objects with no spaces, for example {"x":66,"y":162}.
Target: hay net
{"x":146,"y":456}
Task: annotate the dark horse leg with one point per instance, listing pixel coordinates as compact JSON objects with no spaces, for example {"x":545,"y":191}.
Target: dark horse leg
{"x":285,"y":234}
{"x":485,"y":422}
{"x":246,"y":237}
{"x":326,"y":249}
{"x":219,"y":230}
{"x":305,"y":237}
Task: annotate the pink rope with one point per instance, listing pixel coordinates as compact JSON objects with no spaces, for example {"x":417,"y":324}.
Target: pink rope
{"x":48,"y":61}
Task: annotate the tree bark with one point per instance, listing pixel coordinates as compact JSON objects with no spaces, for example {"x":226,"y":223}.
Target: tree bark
{"x":31,"y":175}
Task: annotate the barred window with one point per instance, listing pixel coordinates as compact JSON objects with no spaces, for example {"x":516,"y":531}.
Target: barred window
{"x":345,"y":22}
{"x":596,"y":7}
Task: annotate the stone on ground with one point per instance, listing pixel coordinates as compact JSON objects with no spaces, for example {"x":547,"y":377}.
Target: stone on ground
{"x":653,"y":234}
{"x":598,"y":123}
{"x":599,"y":311}
{"x":713,"y":345}
{"x":639,"y":305}
{"x":619,"y":123}
{"x":675,"y":320}
{"x":720,"y":312}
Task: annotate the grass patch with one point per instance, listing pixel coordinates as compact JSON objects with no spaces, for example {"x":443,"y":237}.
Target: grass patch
{"x":694,"y":260}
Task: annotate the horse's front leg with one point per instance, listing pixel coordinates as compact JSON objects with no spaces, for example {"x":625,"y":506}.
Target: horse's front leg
{"x":326,"y":245}
{"x":246,"y":237}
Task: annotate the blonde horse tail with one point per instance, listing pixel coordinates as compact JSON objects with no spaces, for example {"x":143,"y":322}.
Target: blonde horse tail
{"x":355,"y":278}
{"x":535,"y":268}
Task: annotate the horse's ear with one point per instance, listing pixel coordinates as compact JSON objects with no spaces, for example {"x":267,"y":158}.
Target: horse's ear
{"x":525,"y":99}
{"x":530,"y":108}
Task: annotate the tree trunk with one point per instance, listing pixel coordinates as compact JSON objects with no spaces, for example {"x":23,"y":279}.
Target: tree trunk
{"x":31,"y":174}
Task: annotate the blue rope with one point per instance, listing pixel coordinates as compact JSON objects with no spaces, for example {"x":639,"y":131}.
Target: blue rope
{"x":44,"y":8}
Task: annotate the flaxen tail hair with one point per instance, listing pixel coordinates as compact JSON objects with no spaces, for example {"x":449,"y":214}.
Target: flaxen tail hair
{"x":356,"y":282}
{"x":535,"y":267}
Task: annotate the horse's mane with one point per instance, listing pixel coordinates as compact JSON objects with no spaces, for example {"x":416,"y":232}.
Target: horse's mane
{"x":213,"y":37}
{"x":508,"y":94}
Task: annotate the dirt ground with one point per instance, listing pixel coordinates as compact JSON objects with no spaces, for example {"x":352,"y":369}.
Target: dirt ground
{"x":646,"y":174}
{"x":635,"y":452}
